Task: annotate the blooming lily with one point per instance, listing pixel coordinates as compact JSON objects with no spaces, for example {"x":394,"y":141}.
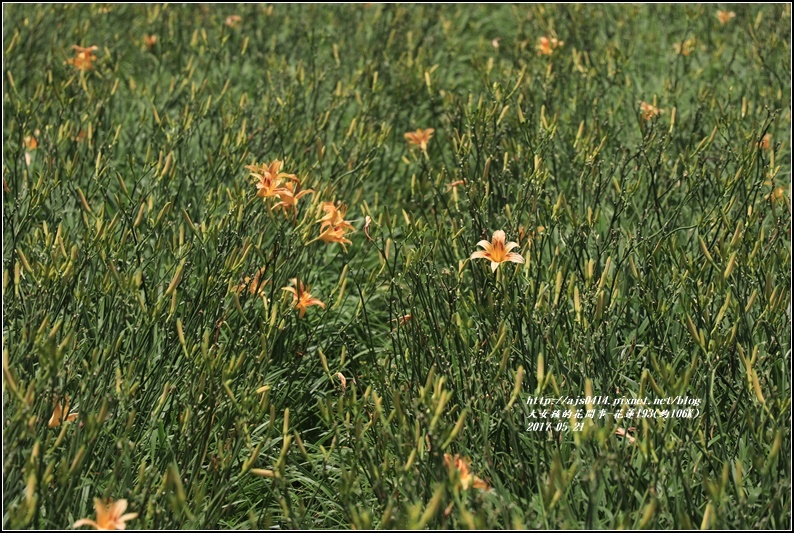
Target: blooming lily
{"x":108,"y":516}
{"x":419,"y":137}
{"x":301,"y":297}
{"x":497,"y":251}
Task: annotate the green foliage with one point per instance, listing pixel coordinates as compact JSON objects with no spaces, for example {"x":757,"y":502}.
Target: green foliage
{"x":657,"y":264}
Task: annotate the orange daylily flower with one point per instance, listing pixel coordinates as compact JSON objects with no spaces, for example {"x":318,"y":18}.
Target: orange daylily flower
{"x":685,"y":48}
{"x":725,"y":16}
{"x":150,"y":41}
{"x":649,"y":111}
{"x":333,"y":226}
{"x":301,"y":297}
{"x":467,"y":479}
{"x":289,"y":199}
{"x":84,"y":57}
{"x":270,"y":178}
{"x":233,"y":20}
{"x":334,"y":216}
{"x":253,"y":285}
{"x":497,"y":251}
{"x":61,"y":414}
{"x":335,"y":234}
{"x":419,"y":137}
{"x":108,"y":516}
{"x":547,"y":45}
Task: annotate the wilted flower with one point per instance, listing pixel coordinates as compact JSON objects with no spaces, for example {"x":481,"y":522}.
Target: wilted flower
{"x":454,"y":184}
{"x":253,"y":285}
{"x":547,"y":45}
{"x":467,"y":479}
{"x":61,"y":414}
{"x":766,"y":142}
{"x":419,"y":137}
{"x":725,"y":16}
{"x":301,"y":298}
{"x":367,"y":222}
{"x":685,"y":48}
{"x":108,"y":516}
{"x":497,"y":251}
{"x":342,"y":380}
{"x":233,"y":20}
{"x":649,"y":111}
{"x":83,"y":58}
{"x":402,"y":319}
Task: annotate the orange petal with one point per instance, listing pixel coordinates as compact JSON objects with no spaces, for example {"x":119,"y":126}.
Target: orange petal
{"x":481,"y":484}
{"x":314,"y":301}
{"x":514,"y":257}
{"x":485,"y":244}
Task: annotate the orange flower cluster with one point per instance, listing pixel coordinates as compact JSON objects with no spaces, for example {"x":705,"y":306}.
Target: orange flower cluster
{"x":333,"y":226}
{"x":83,"y":58}
{"x":547,"y":45}
{"x":270,"y":184}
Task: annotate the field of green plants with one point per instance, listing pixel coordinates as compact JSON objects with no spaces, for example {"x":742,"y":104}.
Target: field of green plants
{"x":323,"y":266}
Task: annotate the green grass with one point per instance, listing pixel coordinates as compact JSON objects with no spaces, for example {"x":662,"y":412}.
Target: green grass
{"x":657,"y":265}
